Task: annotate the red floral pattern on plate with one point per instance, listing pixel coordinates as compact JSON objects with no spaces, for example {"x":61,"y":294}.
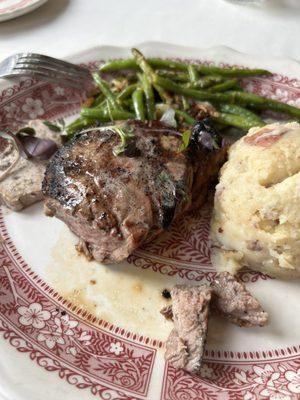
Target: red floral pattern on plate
{"x":101,"y":356}
{"x":30,"y":100}
{"x":184,"y":250}
{"x":272,"y":380}
{"x":34,"y":320}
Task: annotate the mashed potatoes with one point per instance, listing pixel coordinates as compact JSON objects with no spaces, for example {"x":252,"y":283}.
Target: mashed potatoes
{"x":256,"y":219}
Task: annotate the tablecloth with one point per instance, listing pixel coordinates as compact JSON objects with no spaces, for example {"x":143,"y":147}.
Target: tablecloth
{"x":61,"y":27}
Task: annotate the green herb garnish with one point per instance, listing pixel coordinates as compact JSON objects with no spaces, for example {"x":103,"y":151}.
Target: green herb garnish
{"x":125,"y":135}
{"x":185,"y":140}
{"x":55,"y":127}
{"x":27,"y":130}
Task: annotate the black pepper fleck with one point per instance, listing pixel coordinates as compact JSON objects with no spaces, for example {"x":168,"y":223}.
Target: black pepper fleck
{"x":166,"y":294}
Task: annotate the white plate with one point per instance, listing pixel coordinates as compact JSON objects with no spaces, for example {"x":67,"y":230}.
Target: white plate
{"x":10,"y":9}
{"x":98,"y":331}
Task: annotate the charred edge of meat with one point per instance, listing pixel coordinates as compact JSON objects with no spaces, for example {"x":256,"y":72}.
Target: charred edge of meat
{"x":56,"y":188}
{"x":131,"y":149}
{"x":173,"y":193}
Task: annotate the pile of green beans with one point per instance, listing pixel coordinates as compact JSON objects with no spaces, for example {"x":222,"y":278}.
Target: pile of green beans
{"x":179,"y":85}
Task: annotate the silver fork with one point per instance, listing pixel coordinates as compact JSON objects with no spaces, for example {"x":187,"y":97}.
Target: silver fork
{"x":43,"y":67}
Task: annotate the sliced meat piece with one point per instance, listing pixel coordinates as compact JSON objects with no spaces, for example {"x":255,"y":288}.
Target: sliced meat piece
{"x":185,"y":344}
{"x":233,"y":301}
{"x":176,"y":351}
{"x":23,"y":185}
{"x":116,"y":203}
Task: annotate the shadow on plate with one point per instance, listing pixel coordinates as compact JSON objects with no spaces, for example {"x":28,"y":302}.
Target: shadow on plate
{"x":285,"y":6}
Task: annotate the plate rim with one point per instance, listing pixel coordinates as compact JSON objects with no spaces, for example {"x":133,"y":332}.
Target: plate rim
{"x":22,"y":10}
{"x":223,"y":50}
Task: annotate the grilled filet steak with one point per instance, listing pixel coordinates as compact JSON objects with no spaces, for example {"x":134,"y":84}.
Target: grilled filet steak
{"x":115,"y":203}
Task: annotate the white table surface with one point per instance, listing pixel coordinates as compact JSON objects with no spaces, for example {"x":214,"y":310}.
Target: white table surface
{"x":61,"y":27}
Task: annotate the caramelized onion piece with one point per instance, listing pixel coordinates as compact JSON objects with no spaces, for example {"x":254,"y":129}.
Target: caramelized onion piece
{"x":30,"y":146}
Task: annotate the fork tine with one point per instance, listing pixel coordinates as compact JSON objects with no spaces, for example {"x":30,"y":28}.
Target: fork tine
{"x":38,"y":67}
{"x":53,"y":61}
{"x":46,"y":77}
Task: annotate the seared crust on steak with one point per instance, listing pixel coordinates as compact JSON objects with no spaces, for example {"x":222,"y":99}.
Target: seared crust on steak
{"x":115,"y":203}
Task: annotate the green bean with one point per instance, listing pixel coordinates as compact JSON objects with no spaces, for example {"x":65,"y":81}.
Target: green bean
{"x":262,"y":103}
{"x":238,"y":88}
{"x":206,"y":81}
{"x":108,"y":109}
{"x":117,"y":65}
{"x":127,"y":92}
{"x":79,"y":123}
{"x":104,"y":87}
{"x":185,"y":103}
{"x":237,"y":110}
{"x":163,"y":94}
{"x":143,"y":64}
{"x":149,"y":96}
{"x":176,"y":76}
{"x":101,"y":105}
{"x":193,"y":73}
{"x":202,"y":95}
{"x":233,"y":120}
{"x":186,"y":117}
{"x":158,"y":63}
{"x":138,"y":103}
{"x":98,"y":100}
{"x":234,"y":97}
{"x":128,"y":104}
{"x":222,"y":87}
{"x":103,"y":115}
{"x":148,"y":71}
{"x":230,"y":72}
